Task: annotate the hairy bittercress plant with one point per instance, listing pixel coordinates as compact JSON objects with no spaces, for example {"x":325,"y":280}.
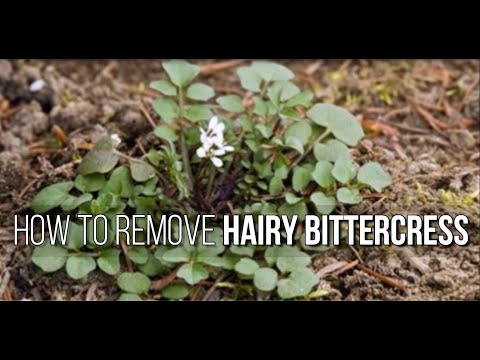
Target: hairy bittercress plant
{"x":271,"y":151}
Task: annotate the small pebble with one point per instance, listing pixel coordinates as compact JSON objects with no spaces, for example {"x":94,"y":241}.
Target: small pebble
{"x":37,"y":85}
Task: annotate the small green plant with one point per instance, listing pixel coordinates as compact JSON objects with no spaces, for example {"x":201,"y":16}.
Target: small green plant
{"x":270,"y":152}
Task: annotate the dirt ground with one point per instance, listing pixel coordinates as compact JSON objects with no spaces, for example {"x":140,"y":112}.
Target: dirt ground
{"x":421,"y":118}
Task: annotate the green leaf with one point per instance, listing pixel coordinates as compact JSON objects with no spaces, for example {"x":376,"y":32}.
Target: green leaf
{"x":138,"y":254}
{"x":300,"y":130}
{"x":98,"y":161}
{"x":349,"y":196}
{"x":231,"y":103}
{"x":265,"y":279}
{"x":289,"y":90}
{"x":270,"y":71}
{"x":181,"y":72}
{"x":165,"y":132}
{"x":322,"y":174}
{"x":292,"y":199}
{"x":141,"y":171}
{"x":331,"y":151}
{"x":244,"y":250}
{"x":291,"y":259}
{"x":165,"y":87}
{"x":51,"y":197}
{"x":198,"y":113}
{"x":299,"y":209}
{"x":192,"y":273}
{"x":324,"y":204}
{"x":109,"y":261}
{"x":120,"y":183}
{"x":249,"y":79}
{"x":89,"y":183}
{"x":175,"y":292}
{"x":153,"y":267}
{"x":211,"y":260}
{"x":260,"y":107}
{"x":176,"y":255}
{"x":344,"y":170}
{"x":373,"y":175}
{"x":339,"y":121}
{"x":265,"y":130}
{"x":135,"y":283}
{"x":272,"y":253}
{"x":200,"y":92}
{"x":49,"y":258}
{"x":72,"y":202}
{"x":167,"y":109}
{"x":301,"y":178}
{"x":274,"y":92}
{"x":302,"y":99}
{"x":246,"y":267}
{"x":295,"y":143}
{"x":80,"y":266}
{"x":299,"y":283}
{"x":276,"y":186}
{"x":129,"y":297}
{"x":75,"y":236}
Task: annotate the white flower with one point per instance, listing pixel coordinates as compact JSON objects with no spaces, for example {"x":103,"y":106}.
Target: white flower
{"x":213,"y":143}
{"x":37,"y":85}
{"x":115,"y":139}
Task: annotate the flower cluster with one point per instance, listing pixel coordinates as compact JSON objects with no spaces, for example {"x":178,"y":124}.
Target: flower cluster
{"x":213,"y":143}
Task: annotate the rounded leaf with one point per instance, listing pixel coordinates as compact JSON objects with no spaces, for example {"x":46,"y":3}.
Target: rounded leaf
{"x":322,"y":174}
{"x":231,"y":103}
{"x":300,"y":130}
{"x":98,"y":161}
{"x":373,"y":175}
{"x":291,"y":259}
{"x":344,"y":170}
{"x":200,"y":92}
{"x":198,"y":112}
{"x":135,"y":283}
{"x":249,"y":79}
{"x":181,"y":72}
{"x":299,"y":283}
{"x":51,"y":197}
{"x":331,"y":151}
{"x":141,"y":171}
{"x":89,"y":183}
{"x":165,"y":132}
{"x":324,"y":204}
{"x":109,"y":261}
{"x":192,"y":273}
{"x":265,"y":279}
{"x":349,"y":196}
{"x":129,"y":297}
{"x":301,"y":178}
{"x":165,"y":87}
{"x":270,"y":71}
{"x":339,"y":121}
{"x":299,"y":209}
{"x":80,"y":266}
{"x":246,"y":267}
{"x":167,"y":109}
{"x":175,"y":292}
{"x":49,"y":258}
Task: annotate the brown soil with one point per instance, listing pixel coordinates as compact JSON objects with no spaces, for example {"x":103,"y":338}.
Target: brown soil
{"x":422,"y":120}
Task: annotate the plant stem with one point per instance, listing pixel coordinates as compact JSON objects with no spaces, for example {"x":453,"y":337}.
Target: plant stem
{"x":183,"y":143}
{"x":309,"y":150}
{"x":210,"y":181}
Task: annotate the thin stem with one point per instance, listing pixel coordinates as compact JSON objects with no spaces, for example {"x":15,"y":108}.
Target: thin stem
{"x":309,"y":150}
{"x":210,"y":181}
{"x":183,"y":143}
